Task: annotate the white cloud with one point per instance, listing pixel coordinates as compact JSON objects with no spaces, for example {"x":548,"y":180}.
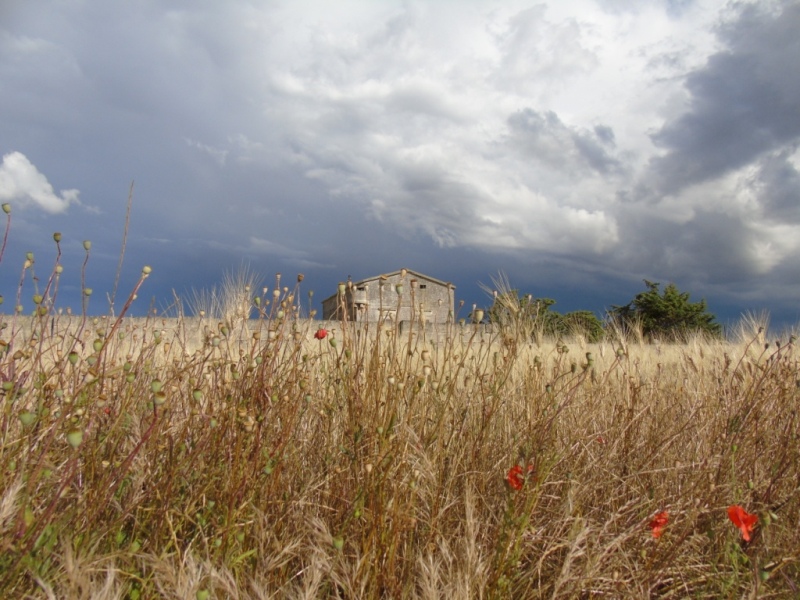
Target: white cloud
{"x":21,"y":181}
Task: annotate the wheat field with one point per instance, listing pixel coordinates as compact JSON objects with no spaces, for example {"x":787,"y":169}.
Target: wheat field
{"x":229,"y":457}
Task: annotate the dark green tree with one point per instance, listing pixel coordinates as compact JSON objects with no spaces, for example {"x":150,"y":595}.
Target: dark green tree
{"x":585,"y":323}
{"x":668,"y":314}
{"x":533,"y":316}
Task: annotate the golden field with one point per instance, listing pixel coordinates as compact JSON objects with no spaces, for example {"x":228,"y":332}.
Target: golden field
{"x":224,"y":458}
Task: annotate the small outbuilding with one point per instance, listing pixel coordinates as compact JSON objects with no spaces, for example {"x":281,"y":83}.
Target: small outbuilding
{"x":403,"y":295}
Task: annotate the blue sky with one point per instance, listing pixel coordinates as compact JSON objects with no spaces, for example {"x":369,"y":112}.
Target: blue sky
{"x":579,"y":146}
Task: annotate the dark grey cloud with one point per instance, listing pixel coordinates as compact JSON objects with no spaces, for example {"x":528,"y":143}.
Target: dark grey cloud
{"x":710,"y":248}
{"x":543,"y":136}
{"x":776,"y":185}
{"x":744,"y":101}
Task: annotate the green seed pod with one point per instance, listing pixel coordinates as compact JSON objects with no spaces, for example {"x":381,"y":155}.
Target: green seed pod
{"x":27,"y":418}
{"x":87,"y":291}
{"x":6,"y":208}
{"x":159,"y":398}
{"x":146,"y":270}
{"x":338,"y":542}
{"x":155,"y":386}
{"x":57,"y":237}
{"x":87,"y":245}
{"x":97,"y":345}
{"x":75,"y":438}
{"x":73,"y":357}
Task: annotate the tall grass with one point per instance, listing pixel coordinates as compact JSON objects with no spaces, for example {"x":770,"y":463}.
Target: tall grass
{"x":183,"y":458}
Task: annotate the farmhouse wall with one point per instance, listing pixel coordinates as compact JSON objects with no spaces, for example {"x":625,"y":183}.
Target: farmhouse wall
{"x":402,"y":295}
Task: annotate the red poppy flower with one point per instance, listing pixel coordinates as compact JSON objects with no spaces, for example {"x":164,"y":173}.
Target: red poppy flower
{"x":658,"y":523}
{"x":743,"y":520}
{"x":515,"y":477}
{"x":321,"y":334}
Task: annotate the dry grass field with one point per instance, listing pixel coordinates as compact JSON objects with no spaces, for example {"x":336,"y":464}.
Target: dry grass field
{"x":254,"y":460}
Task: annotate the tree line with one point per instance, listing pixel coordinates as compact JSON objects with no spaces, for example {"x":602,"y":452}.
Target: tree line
{"x":667,"y":314}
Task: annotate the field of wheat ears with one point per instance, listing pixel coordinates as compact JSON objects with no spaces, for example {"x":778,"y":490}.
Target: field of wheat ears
{"x":224,"y":457}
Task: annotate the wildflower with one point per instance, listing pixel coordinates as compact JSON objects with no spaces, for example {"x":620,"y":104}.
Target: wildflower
{"x":658,"y":523}
{"x":743,"y":520}
{"x":515,"y":478}
{"x":321,"y":334}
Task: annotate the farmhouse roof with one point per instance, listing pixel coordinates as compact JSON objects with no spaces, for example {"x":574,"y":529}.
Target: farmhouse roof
{"x":409,"y":272}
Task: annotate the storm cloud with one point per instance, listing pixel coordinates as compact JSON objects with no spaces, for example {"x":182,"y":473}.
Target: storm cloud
{"x":580,"y":146}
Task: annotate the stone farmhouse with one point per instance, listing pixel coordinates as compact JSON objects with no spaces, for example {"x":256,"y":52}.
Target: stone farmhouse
{"x":404,"y":295}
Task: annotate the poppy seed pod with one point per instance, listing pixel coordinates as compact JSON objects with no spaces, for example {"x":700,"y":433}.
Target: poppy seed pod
{"x":27,"y":418}
{"x":75,"y":438}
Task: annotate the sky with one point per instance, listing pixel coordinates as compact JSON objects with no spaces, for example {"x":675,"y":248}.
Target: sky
{"x":577,"y":146}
